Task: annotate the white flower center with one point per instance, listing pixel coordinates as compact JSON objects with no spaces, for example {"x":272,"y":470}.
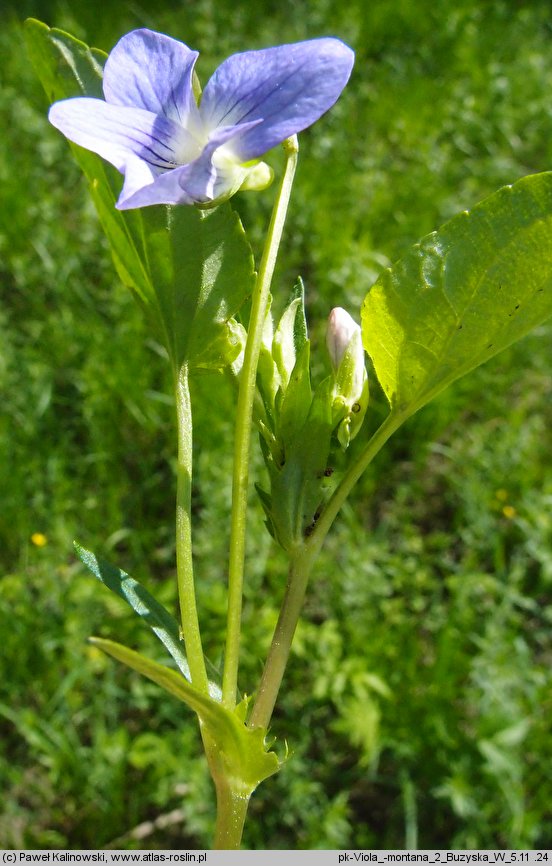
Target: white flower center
{"x":188,"y":146}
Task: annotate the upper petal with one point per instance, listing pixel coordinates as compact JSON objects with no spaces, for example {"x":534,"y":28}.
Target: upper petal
{"x":116,"y":132}
{"x":288,"y":88}
{"x":152,"y":71}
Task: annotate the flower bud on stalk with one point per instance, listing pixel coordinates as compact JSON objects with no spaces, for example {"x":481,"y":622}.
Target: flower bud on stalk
{"x":350,"y":390}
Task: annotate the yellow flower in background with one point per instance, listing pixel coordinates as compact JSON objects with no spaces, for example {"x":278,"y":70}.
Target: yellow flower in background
{"x":508,"y":511}
{"x":39,"y":539}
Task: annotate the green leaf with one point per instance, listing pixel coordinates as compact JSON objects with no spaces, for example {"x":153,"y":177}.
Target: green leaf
{"x":237,"y":752}
{"x":145,"y":605}
{"x":141,"y":601}
{"x":296,"y":488}
{"x":291,"y":334}
{"x":461,"y":295}
{"x":201,"y":265}
{"x":296,"y":400}
{"x":67,"y":67}
{"x":191,"y":269}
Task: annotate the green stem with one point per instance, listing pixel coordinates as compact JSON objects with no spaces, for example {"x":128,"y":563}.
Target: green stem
{"x":301,"y":563}
{"x":184,"y":562}
{"x":244,"y":414}
{"x":232,"y":797}
{"x":355,"y":470}
{"x":300,"y":567}
{"x":231,"y":813}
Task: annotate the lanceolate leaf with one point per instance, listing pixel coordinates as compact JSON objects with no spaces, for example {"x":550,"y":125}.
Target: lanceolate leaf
{"x":462,"y":294}
{"x":66,"y":68}
{"x":168,"y":679}
{"x":241,"y":753}
{"x":190,"y":269}
{"x":145,"y":605}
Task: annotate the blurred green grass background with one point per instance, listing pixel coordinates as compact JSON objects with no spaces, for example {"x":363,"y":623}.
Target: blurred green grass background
{"x":417,"y":704}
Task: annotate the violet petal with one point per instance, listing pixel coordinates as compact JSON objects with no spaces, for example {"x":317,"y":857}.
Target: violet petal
{"x":115,"y":132}
{"x":288,"y":88}
{"x":214,"y":175}
{"x":152,"y":71}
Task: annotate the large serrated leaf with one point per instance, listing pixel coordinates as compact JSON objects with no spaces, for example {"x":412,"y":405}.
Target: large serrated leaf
{"x":190,"y":269}
{"x":462,"y":294}
{"x":239,"y":752}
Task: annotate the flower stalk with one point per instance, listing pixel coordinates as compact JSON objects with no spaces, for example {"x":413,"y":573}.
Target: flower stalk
{"x":244,"y":415}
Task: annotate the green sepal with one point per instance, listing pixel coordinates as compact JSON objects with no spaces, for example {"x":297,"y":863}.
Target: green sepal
{"x":350,"y":425}
{"x":460,"y":296}
{"x":163,"y":625}
{"x":190,"y":269}
{"x":235,"y":752}
{"x":351,"y":392}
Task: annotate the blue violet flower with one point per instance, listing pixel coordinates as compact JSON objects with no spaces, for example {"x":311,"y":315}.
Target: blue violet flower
{"x":172,"y":150}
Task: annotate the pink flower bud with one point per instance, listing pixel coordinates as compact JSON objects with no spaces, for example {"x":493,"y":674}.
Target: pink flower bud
{"x":341,"y":329}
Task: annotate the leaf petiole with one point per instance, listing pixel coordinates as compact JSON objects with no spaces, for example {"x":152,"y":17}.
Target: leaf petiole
{"x":301,"y":564}
{"x":184,"y":561}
